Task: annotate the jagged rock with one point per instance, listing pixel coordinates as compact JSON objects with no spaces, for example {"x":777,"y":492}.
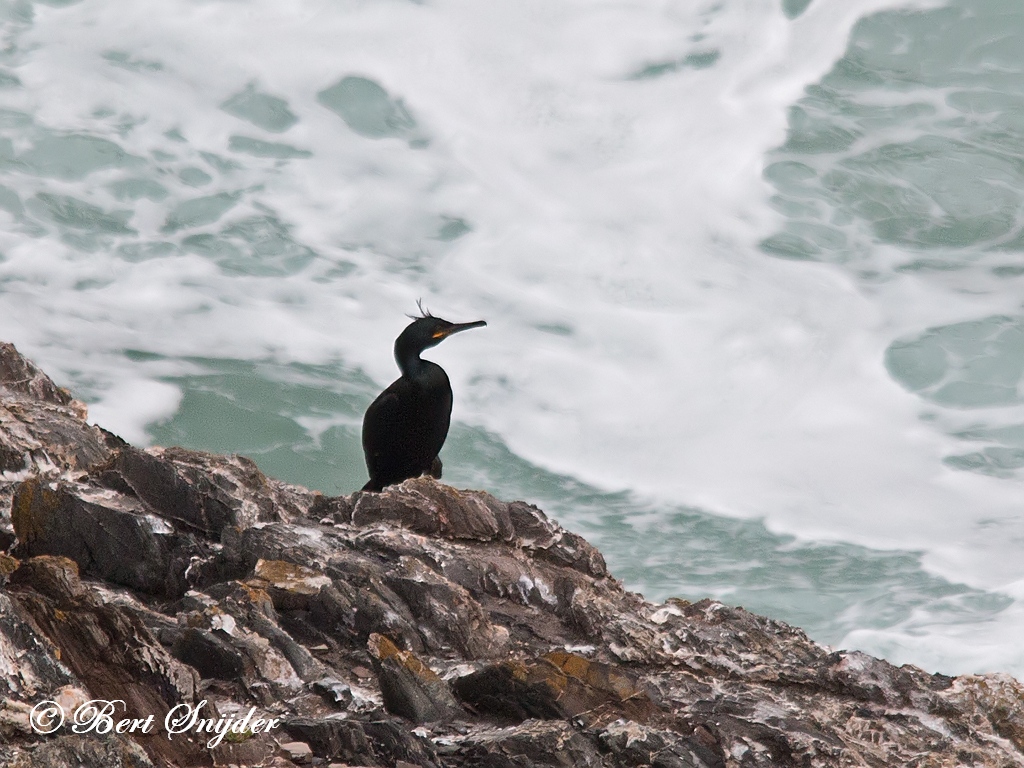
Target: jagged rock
{"x":298,"y":751}
{"x":437,"y":510}
{"x":377,"y":742}
{"x":452,"y":515}
{"x":212,"y":655}
{"x":223,"y":641}
{"x":446,"y":614}
{"x":404,"y":599}
{"x":409,"y":687}
{"x":259,"y":751}
{"x":638,"y":745}
{"x":193,"y":577}
{"x":558,"y":685}
{"x":534,"y":743}
{"x":29,"y":662}
{"x":109,"y":535}
{"x":150,"y":521}
{"x":238,"y":656}
{"x":202,"y":491}
{"x":290,"y":586}
{"x":20,"y":375}
{"x":42,"y":427}
{"x":74,"y":751}
{"x":105,"y":646}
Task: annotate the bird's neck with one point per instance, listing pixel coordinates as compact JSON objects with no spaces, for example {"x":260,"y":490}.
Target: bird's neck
{"x":408,"y":359}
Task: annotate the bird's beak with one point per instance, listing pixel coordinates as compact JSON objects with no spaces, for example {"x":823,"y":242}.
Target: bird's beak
{"x":456,"y":327}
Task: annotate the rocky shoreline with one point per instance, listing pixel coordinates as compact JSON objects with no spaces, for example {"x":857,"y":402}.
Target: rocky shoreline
{"x":422,"y":626}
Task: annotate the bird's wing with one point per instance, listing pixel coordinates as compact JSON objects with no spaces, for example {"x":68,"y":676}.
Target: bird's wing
{"x":381,"y":424}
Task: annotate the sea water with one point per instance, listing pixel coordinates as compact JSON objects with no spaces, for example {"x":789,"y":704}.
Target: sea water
{"x":752,"y":271}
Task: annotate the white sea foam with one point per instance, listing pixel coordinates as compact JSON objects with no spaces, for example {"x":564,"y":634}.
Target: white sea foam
{"x":129,"y":404}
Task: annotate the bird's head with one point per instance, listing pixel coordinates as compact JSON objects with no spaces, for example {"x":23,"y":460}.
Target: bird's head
{"x":427,"y":331}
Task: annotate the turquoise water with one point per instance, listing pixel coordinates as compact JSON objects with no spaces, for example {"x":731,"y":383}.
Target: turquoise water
{"x":751,"y":271}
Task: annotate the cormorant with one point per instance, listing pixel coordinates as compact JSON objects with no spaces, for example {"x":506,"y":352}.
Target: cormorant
{"x":405,"y":427}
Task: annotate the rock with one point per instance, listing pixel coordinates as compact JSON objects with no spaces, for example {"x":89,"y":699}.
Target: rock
{"x":290,"y":586}
{"x":409,"y":687}
{"x":558,"y":685}
{"x":47,"y":438}
{"x":8,"y":565}
{"x":231,"y":653}
{"x":212,"y":655}
{"x":535,"y":743}
{"x":424,"y":506}
{"x":506,"y":692}
{"x":42,"y":427}
{"x":29,"y":662}
{"x":105,"y":646}
{"x":73,"y":751}
{"x":201,"y":491}
{"x":109,"y":535}
{"x":334,"y":691}
{"x":446,"y":614}
{"x":356,"y":626}
{"x":359,"y":742}
{"x":633,"y":744}
{"x":416,"y":505}
{"x":256,"y":751}
{"x":298,"y":751}
{"x":20,"y":375}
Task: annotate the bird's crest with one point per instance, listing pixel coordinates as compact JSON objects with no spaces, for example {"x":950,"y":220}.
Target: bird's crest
{"x":424,"y":313}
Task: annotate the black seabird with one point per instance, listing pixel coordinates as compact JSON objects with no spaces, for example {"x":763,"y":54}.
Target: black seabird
{"x":405,"y":427}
